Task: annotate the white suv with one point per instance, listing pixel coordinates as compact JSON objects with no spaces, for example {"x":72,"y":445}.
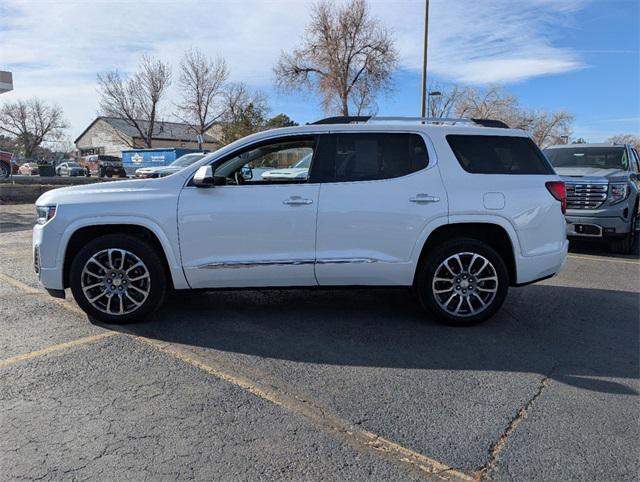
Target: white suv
{"x":457,"y":210}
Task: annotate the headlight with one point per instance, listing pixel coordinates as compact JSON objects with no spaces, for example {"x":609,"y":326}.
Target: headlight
{"x":618,"y":192}
{"x":45,"y":213}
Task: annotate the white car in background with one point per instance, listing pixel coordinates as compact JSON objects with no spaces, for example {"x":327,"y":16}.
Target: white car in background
{"x":300,"y":170}
{"x":175,"y":166}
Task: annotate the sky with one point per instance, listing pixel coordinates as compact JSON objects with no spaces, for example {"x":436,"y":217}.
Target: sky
{"x":578,"y":55}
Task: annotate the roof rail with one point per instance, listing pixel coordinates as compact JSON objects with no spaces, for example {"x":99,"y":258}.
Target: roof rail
{"x":422,"y":120}
{"x":342,"y":120}
{"x":444,"y":120}
{"x":491,"y":123}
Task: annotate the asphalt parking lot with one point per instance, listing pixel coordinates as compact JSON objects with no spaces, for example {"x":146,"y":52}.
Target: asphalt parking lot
{"x":306,"y":385}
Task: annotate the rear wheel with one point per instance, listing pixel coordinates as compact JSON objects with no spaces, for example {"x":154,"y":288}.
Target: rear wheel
{"x":462,"y":282}
{"x":118,"y":279}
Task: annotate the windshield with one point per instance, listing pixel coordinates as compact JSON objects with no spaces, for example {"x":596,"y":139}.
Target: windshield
{"x":186,"y":160}
{"x":73,"y":164}
{"x":598,"y":157}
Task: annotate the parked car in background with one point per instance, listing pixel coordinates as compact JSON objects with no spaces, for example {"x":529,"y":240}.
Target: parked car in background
{"x":8,"y":165}
{"x":300,"y":170}
{"x":602,"y":191}
{"x":28,"y":169}
{"x":134,"y":159}
{"x":457,"y":210}
{"x":70,"y":168}
{"x":175,"y":166}
{"x":105,"y":166}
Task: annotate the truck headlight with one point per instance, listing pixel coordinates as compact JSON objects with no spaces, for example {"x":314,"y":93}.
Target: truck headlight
{"x":45,"y":213}
{"x":618,"y":192}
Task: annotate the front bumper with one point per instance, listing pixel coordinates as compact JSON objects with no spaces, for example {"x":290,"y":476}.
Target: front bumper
{"x":45,"y":242}
{"x":596,"y":226}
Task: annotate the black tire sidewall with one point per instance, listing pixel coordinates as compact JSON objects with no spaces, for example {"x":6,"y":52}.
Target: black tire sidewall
{"x":434,"y":258}
{"x":626,"y":244}
{"x":142,"y":250}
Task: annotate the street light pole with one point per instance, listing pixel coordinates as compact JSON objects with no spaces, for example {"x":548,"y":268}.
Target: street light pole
{"x":423,"y":103}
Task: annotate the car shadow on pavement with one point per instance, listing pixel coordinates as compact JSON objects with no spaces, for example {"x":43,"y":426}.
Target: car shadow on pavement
{"x":601,"y":248}
{"x":575,"y":335}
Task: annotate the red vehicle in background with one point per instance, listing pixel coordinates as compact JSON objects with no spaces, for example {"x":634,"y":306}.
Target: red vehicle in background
{"x":104,"y":166}
{"x":7,"y":165}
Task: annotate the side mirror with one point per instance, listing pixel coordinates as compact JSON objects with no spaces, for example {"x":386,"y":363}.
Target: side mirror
{"x":204,"y":177}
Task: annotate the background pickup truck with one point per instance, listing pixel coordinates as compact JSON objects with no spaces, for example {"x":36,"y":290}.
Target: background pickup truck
{"x":602,"y":191}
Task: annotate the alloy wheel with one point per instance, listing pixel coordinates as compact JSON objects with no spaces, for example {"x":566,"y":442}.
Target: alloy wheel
{"x":465,"y":284}
{"x":115,"y":281}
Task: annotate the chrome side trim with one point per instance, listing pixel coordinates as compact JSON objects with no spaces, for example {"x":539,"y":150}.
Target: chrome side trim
{"x":284,"y":262}
{"x":345,"y":260}
{"x":254,"y":264}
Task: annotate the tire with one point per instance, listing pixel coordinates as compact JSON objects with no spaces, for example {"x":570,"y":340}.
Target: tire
{"x":475,"y":295}
{"x":626,"y":244}
{"x":124,"y":295}
{"x":4,"y":170}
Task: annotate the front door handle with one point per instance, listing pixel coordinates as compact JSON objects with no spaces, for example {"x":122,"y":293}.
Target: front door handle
{"x":424,"y":198}
{"x":297,"y":200}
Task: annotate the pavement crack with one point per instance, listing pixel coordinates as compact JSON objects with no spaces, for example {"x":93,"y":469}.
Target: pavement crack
{"x":484,"y":471}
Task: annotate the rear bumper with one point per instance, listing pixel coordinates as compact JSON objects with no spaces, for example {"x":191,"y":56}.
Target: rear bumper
{"x":534,"y":268}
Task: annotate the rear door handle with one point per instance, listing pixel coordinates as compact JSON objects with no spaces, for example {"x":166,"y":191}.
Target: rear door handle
{"x":424,"y":198}
{"x":297,"y":200}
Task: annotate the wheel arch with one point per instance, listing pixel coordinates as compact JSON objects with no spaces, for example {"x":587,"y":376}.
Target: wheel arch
{"x":80,"y":233}
{"x":493,"y":233}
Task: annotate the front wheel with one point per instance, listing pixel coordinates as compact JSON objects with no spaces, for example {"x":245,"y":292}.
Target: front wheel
{"x":118,"y":279}
{"x":626,"y":244}
{"x":462,"y":282}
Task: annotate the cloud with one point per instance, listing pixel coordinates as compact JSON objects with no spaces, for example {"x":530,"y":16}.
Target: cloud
{"x":489,"y":41}
{"x":55,"y":49}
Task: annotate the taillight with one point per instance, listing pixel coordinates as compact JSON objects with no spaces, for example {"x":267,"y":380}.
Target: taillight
{"x":558,"y":191}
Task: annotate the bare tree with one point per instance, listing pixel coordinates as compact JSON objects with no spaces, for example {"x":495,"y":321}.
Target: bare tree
{"x":138,"y":98}
{"x":32,"y":122}
{"x":626,"y":139}
{"x":546,"y":128}
{"x":347,"y":57}
{"x":201,"y":83}
{"x":549,"y":128}
{"x":245,"y":112}
{"x":445,"y":102}
{"x":489,"y":103}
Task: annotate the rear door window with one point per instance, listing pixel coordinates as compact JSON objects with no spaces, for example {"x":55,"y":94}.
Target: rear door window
{"x":498,"y":155}
{"x":368,"y":156}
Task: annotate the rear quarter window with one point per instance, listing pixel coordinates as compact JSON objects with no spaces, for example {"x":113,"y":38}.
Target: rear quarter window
{"x":498,"y":155}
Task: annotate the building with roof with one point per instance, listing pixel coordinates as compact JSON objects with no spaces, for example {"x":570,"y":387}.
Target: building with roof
{"x":111,"y":135}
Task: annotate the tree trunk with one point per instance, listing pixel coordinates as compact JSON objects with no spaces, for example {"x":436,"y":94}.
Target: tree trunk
{"x":345,"y":105}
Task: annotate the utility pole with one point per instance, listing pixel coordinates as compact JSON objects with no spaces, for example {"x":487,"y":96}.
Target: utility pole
{"x":423,"y":103}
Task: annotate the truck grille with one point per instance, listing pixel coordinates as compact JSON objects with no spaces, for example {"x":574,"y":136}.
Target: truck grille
{"x":586,"y":195}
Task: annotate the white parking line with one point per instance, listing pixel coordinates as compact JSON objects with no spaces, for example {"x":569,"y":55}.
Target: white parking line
{"x":604,"y":260}
{"x":357,"y":437}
